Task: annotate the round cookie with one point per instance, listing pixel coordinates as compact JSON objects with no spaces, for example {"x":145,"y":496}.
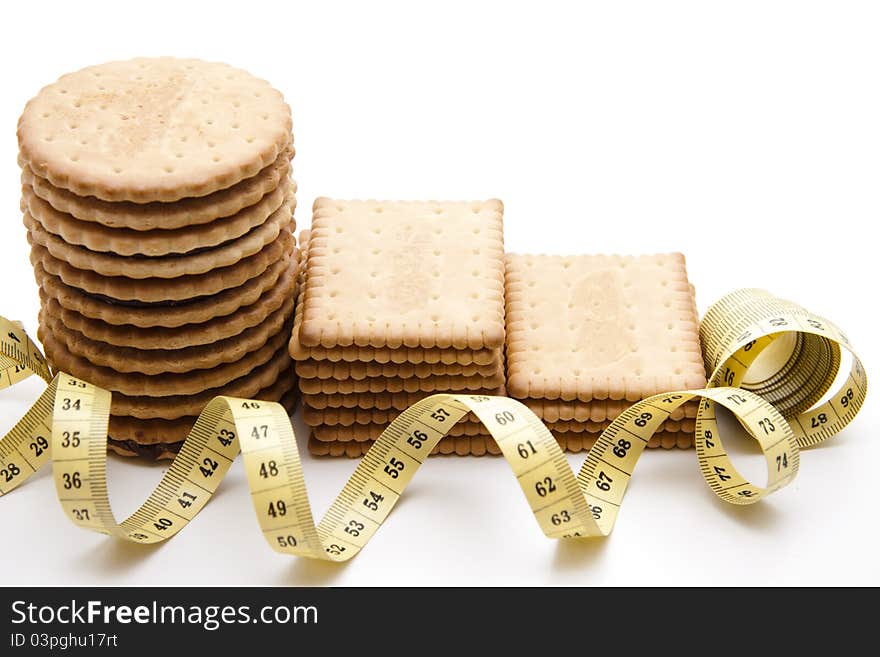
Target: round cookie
{"x":194,"y":211}
{"x":186,"y":336}
{"x":195,"y":311}
{"x":162,"y":439}
{"x":157,"y":242}
{"x":153,"y":129}
{"x":175,"y":406}
{"x":155,"y":290}
{"x":162,"y":385}
{"x":169,"y":266}
{"x":172,"y":361}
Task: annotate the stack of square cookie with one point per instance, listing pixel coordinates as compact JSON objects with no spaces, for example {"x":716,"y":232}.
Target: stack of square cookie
{"x":399,"y":300}
{"x":589,"y":335}
{"x":159,"y":208}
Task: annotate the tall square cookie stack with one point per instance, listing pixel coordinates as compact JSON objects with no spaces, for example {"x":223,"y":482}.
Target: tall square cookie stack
{"x":159,"y":208}
{"x":400,"y":300}
{"x":589,"y":335}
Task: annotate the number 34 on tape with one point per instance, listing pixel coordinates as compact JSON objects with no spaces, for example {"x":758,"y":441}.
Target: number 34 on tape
{"x":774,"y":392}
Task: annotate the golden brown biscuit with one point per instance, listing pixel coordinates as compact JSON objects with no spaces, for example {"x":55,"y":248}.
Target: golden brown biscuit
{"x":586,"y":328}
{"x":132,"y":384}
{"x":168,"y":266}
{"x":193,"y":211}
{"x":577,"y":442}
{"x":397,"y":274}
{"x":349,"y":416}
{"x":460,"y":445}
{"x":685,"y":425}
{"x":166,"y":315}
{"x":369,"y":432}
{"x":377,"y":400}
{"x":155,"y":290}
{"x":381,"y":384}
{"x":376,"y":355}
{"x":182,"y":337}
{"x":358,"y":370}
{"x":597,"y":411}
{"x":174,"y":406}
{"x":170,"y":361}
{"x":153,"y":129}
{"x":133,"y":437}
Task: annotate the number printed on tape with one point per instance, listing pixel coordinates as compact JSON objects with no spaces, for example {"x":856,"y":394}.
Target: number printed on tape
{"x":67,"y":425}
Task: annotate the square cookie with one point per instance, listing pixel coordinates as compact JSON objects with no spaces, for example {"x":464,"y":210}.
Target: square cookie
{"x":598,"y":410}
{"x":459,"y":445}
{"x":585,"y":328}
{"x":392,"y":274}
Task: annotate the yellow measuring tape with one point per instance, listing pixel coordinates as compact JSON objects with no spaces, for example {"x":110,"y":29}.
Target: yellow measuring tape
{"x":770,"y":360}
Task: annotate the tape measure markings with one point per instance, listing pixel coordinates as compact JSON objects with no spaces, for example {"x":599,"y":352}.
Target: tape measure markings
{"x":69,"y":420}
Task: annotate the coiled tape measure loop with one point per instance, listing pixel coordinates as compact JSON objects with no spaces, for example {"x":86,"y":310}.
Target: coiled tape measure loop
{"x":770,"y":361}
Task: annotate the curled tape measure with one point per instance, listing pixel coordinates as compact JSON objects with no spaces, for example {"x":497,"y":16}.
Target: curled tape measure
{"x":770,"y":360}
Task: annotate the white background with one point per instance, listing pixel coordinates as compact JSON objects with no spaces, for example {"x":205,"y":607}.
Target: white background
{"x":746,"y":135}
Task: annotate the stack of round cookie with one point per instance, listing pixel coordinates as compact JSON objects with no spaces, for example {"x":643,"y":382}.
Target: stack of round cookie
{"x":159,"y":207}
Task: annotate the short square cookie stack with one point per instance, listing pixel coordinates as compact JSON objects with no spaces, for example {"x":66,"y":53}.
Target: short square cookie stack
{"x":589,"y":335}
{"x":159,"y":208}
{"x":400,"y":300}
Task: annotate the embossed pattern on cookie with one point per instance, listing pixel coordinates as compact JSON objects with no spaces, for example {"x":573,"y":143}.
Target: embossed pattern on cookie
{"x":428,"y":319}
{"x":589,"y":335}
{"x":405,"y":274}
{"x":153,"y":129}
{"x":600,"y":327}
